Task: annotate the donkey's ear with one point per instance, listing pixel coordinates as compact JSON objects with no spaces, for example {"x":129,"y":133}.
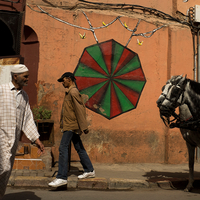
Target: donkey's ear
{"x":182,"y":81}
{"x":186,"y":76}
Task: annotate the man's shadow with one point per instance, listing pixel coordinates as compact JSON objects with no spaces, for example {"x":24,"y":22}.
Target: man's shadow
{"x":74,"y":171}
{"x":21,"y":196}
{"x":178,"y":181}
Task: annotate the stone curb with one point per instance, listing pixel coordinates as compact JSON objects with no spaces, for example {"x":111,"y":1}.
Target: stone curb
{"x":74,"y":183}
{"x":126,"y":184}
{"x":92,"y":183}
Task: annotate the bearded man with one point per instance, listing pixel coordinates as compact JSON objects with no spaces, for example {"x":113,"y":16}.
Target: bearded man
{"x":15,"y":117}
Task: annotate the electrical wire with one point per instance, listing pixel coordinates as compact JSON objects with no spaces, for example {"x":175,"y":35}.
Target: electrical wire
{"x":132,"y":6}
{"x":11,"y":1}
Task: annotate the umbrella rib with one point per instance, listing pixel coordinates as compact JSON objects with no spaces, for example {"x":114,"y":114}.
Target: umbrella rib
{"x":98,"y":64}
{"x":114,"y":99}
{"x":130,"y":99}
{"x":127,"y":60}
{"x":132,"y":88}
{"x":97,"y":94}
{"x":124,"y":106}
{"x":95,"y":70}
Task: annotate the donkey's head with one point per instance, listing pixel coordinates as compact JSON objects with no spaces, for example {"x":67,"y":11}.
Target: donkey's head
{"x":171,"y":96}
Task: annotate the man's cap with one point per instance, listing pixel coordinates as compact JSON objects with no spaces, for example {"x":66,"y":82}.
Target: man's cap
{"x":19,"y":68}
{"x":66,"y":74}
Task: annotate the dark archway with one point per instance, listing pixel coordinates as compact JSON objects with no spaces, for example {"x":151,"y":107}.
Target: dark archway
{"x":6,"y":40}
{"x":30,"y":53}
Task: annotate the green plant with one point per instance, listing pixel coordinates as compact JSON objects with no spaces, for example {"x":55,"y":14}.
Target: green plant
{"x":41,"y":113}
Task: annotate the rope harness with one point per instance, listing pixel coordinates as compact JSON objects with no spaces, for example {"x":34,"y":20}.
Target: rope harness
{"x":166,"y":112}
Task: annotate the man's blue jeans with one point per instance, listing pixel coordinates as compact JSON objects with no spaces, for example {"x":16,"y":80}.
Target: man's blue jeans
{"x":67,"y":137}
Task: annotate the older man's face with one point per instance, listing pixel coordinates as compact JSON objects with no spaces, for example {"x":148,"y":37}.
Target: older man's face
{"x":22,"y":79}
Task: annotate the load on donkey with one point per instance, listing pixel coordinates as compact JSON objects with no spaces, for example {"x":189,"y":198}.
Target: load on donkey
{"x":185,"y":94}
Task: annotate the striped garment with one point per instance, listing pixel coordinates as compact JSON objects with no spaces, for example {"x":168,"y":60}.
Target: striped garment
{"x":15,"y":116}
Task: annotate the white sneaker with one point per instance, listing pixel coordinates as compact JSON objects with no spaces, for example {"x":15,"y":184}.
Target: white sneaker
{"x":57,"y":182}
{"x":87,"y":175}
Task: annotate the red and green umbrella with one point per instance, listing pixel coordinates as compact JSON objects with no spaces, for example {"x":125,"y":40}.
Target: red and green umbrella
{"x":111,"y":77}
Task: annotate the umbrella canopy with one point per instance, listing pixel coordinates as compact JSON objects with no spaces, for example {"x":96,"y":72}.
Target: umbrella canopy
{"x":111,"y":77}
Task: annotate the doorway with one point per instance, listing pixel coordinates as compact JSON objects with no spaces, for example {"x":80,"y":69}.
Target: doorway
{"x":30,"y":53}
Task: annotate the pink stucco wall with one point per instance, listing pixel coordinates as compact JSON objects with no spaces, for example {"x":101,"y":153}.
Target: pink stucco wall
{"x":135,"y":136}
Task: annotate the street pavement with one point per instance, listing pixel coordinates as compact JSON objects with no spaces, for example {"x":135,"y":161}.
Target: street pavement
{"x":113,"y":177}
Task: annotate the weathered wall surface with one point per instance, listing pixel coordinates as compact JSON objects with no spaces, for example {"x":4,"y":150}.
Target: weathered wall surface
{"x":138,"y":135}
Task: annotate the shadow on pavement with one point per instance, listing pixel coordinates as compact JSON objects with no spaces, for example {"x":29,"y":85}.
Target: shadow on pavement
{"x":153,"y":176}
{"x":178,"y":180}
{"x":21,"y":196}
{"x":181,"y":185}
{"x":57,"y":189}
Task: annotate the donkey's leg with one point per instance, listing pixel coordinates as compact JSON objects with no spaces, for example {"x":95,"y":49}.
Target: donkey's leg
{"x":191,"y":151}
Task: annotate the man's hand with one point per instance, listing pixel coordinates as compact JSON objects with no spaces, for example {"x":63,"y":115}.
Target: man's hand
{"x":40,"y":146}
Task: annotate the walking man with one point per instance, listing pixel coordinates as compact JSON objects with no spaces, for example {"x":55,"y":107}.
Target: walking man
{"x":15,"y":117}
{"x":73,"y":124}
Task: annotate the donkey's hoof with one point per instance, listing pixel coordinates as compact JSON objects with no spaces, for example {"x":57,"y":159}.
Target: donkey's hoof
{"x":188,"y":189}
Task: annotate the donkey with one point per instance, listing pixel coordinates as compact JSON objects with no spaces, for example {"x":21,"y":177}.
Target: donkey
{"x":185,"y":94}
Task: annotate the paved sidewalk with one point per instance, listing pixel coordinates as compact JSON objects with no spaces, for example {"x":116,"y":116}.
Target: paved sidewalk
{"x":113,"y":177}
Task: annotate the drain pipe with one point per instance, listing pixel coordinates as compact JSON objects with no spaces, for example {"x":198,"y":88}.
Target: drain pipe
{"x":198,"y":58}
{"x":198,"y":78}
{"x":194,"y":20}
{"x":195,"y":57}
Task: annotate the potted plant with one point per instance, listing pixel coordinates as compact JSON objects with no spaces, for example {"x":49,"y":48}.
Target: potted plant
{"x":42,"y":117}
{"x":41,"y":113}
